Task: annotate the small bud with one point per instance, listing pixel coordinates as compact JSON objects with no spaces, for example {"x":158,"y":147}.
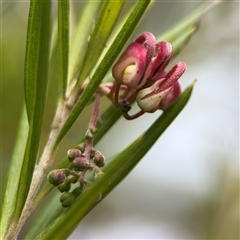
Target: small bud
{"x":92,"y":152}
{"x":80,"y":163}
{"x":93,"y":129}
{"x":77,"y":191}
{"x":73,"y":179}
{"x":67,"y":199}
{"x":56,"y":177}
{"x":64,"y":187}
{"x":81,"y":146}
{"x":88,"y":135}
{"x":163,"y":92}
{"x":99,"y":159}
{"x":73,"y":153}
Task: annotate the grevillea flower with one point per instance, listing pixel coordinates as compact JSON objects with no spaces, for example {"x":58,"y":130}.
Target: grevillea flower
{"x":163,"y":92}
{"x":133,"y":67}
{"x":141,"y":68}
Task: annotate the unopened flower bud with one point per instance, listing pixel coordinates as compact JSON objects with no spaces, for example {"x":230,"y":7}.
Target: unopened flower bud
{"x":135,"y":65}
{"x":80,"y":163}
{"x":88,"y":135}
{"x":161,"y":59}
{"x":64,"y":187}
{"x":148,"y":40}
{"x":93,"y":129}
{"x":129,"y":69}
{"x":81,"y":146}
{"x":72,"y":179}
{"x":73,"y":153}
{"x":148,"y":99}
{"x":56,"y":177}
{"x":99,"y":159}
{"x":92,"y":152}
{"x":162,"y":93}
{"x":67,"y":199}
{"x":171,"y":96}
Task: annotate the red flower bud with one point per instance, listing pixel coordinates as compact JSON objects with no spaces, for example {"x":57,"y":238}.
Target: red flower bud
{"x":162,"y":93}
{"x":130,"y":68}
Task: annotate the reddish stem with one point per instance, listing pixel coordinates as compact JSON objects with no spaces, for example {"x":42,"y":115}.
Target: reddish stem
{"x":134,"y":116}
{"x":92,"y":124}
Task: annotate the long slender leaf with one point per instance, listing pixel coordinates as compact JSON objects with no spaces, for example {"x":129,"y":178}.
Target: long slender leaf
{"x":38,"y":36}
{"x":180,"y":34}
{"x":180,"y":43}
{"x":50,"y":212}
{"x":115,"y":172}
{"x":104,"y":66}
{"x":31,"y":58}
{"x":188,"y":22}
{"x":104,"y":25}
{"x":63,"y":44}
{"x":10,"y":196}
{"x":83,"y":31}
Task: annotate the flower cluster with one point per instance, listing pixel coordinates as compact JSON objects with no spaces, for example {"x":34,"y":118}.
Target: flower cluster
{"x":72,"y":181}
{"x":82,"y":161}
{"x":140,"y":72}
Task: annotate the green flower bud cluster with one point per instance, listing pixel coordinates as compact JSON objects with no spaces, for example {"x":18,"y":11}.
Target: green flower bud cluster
{"x":63,"y":179}
{"x":68,"y":198}
{"x":72,"y":182}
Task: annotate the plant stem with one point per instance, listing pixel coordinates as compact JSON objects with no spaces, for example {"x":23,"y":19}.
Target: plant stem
{"x":41,"y":169}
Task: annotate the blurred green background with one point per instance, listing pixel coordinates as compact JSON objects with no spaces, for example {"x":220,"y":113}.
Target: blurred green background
{"x":187,"y":186}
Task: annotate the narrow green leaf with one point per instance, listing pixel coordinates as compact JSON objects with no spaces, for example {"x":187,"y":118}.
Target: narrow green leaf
{"x":83,"y":31}
{"x":114,"y":172}
{"x":39,"y":34}
{"x":10,"y":195}
{"x":180,"y":43}
{"x":104,"y":66}
{"x":50,"y":212}
{"x":63,"y":44}
{"x":31,"y":58}
{"x":187,"y":23}
{"x":104,"y":25}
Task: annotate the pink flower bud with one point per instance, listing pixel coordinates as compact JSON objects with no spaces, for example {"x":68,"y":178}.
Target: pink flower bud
{"x":148,"y":40}
{"x":133,"y":67}
{"x":171,"y":96}
{"x":162,"y":93}
{"x":130,"y":68}
{"x":163,"y":55}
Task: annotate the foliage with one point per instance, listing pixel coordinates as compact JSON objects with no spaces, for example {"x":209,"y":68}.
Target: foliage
{"x":85,"y":65}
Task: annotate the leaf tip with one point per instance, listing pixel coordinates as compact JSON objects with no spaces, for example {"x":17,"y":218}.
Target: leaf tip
{"x":194,"y":82}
